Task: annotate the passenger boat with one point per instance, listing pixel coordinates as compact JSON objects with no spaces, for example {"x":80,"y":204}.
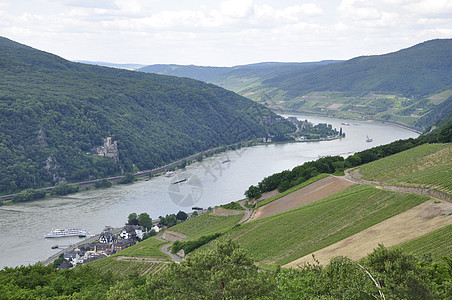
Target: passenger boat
{"x":170,"y":174}
{"x":56,"y":233}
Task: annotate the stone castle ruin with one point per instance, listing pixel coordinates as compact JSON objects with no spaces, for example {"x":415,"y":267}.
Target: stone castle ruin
{"x":109,"y":149}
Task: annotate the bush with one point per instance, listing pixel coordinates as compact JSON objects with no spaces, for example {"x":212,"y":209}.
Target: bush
{"x":189,"y":246}
{"x":104,"y":183}
{"x":29,"y":195}
{"x":63,"y":189}
{"x":128,"y":178}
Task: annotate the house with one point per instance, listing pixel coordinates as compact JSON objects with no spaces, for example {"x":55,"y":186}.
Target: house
{"x":70,"y":255}
{"x":156,"y":228}
{"x":132,"y":232}
{"x":107,"y":237}
{"x":123,"y":244}
{"x":102,"y":247}
{"x":65,"y":264}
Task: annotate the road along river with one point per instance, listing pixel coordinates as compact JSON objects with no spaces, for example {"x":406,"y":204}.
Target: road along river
{"x":216,"y":180}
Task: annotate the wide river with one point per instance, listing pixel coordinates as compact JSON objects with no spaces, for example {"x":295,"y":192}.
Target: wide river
{"x":216,"y":180}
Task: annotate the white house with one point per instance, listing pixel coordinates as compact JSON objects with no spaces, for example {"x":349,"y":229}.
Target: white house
{"x":156,"y":228}
{"x":132,"y":232}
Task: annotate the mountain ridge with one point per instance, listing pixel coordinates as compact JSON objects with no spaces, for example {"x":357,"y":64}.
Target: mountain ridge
{"x":55,"y":113}
{"x":395,"y":87}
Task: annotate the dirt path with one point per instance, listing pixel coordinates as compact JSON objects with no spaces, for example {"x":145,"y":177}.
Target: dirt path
{"x":164,"y":249}
{"x":353,"y":175}
{"x":425,"y":218}
{"x":315,"y":191}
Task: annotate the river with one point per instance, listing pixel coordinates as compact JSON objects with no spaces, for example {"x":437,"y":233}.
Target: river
{"x":216,"y":180}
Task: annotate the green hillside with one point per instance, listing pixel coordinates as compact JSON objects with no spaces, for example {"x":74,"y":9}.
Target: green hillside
{"x":426,"y":166}
{"x":54,"y":113}
{"x":282,"y":238}
{"x":412,"y":86}
{"x":435,"y":245}
{"x":206,"y":224}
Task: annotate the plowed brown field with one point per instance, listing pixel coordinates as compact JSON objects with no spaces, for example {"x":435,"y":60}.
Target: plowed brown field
{"x":315,"y":191}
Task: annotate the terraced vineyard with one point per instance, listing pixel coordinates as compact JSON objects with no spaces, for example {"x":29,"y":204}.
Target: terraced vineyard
{"x":206,"y":224}
{"x":126,"y":267}
{"x":284,"y":237}
{"x":437,"y":243}
{"x":426,"y":166}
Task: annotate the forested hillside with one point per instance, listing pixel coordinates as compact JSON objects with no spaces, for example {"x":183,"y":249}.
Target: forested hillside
{"x":412,"y":86}
{"x":234,"y":78}
{"x":55,"y":113}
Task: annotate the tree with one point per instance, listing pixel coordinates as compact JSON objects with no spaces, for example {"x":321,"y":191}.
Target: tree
{"x":144,"y":220}
{"x":226,"y":272}
{"x":183,"y":164}
{"x":445,"y":135}
{"x":402,"y":276}
{"x":182,"y":216}
{"x":253,"y":192}
{"x":63,"y":189}
{"x":104,"y":183}
{"x":132,"y":216}
{"x":128,"y":178}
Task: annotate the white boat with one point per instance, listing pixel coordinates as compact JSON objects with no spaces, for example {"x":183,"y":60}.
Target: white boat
{"x":368,"y":139}
{"x":170,"y":174}
{"x":56,"y":233}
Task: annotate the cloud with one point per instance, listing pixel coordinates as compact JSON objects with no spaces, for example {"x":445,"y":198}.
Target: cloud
{"x":208,"y":32}
{"x":237,"y":8}
{"x":431,"y":8}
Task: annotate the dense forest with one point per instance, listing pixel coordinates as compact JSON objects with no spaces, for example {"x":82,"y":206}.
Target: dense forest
{"x":419,"y":70}
{"x":55,"y":113}
{"x":228,"y":272}
{"x":411,"y":86}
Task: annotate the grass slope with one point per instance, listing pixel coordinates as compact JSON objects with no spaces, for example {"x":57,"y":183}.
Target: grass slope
{"x":206,"y":224}
{"x":147,"y":248}
{"x":123,"y":267}
{"x":437,"y":243}
{"x":427,"y":166}
{"x":284,"y":237}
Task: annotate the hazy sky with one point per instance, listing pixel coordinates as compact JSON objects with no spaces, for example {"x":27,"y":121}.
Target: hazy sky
{"x":222,"y":33}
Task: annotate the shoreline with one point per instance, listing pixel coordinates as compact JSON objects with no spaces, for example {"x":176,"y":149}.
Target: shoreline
{"x":6,"y":199}
{"x":311,"y":113}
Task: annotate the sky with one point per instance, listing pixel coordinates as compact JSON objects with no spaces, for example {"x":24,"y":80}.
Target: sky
{"x":222,"y":33}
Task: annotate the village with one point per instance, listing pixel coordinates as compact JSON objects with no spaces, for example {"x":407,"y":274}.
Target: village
{"x":113,"y":240}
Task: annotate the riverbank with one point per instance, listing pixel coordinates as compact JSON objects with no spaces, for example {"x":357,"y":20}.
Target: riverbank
{"x":84,"y":185}
{"x":313,"y":113}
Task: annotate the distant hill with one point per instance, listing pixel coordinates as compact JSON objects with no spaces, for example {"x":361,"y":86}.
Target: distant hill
{"x":412,"y":86}
{"x":420,"y":70}
{"x":234,"y":78}
{"x":112,"y":65}
{"x":56,"y":114}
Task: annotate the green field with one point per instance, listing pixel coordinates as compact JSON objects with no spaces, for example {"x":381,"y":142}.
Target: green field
{"x":284,"y":237}
{"x":427,"y":166}
{"x":147,"y":248}
{"x":437,"y":243}
{"x":206,"y":224}
{"x":125,"y":267}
